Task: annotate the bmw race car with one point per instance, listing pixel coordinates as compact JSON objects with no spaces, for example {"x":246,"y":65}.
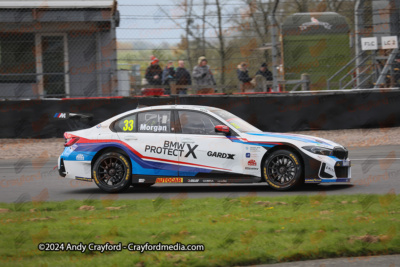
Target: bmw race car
{"x":196,"y":144}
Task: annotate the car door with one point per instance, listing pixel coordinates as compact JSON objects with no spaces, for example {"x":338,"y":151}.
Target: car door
{"x":205,"y":152}
{"x":148,"y":136}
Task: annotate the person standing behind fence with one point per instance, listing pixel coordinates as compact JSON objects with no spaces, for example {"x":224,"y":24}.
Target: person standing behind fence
{"x":182,"y":78}
{"x":154,"y":72}
{"x":168,"y":76}
{"x":203,"y":77}
{"x":244,"y":78}
{"x":263,"y":71}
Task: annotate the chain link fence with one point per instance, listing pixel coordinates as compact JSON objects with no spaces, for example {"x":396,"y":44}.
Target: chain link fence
{"x":104,"y":48}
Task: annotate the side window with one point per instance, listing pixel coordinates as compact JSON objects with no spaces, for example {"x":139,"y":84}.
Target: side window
{"x":197,"y":123}
{"x":154,"y":122}
{"x":126,"y":124}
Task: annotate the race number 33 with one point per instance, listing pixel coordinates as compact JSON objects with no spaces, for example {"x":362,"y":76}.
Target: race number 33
{"x":128,"y":125}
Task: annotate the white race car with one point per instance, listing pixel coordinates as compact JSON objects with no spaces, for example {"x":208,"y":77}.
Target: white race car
{"x":196,"y":144}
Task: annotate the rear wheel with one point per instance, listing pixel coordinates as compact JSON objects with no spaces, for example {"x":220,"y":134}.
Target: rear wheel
{"x":282,"y":170}
{"x":112,"y":172}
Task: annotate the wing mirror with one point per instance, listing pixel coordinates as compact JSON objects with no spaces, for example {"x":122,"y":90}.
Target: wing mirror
{"x":222,"y":129}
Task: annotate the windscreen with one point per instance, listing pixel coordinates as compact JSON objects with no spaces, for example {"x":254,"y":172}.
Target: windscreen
{"x":235,"y":121}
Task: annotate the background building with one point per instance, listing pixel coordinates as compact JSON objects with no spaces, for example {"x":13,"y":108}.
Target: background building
{"x":58,"y":48}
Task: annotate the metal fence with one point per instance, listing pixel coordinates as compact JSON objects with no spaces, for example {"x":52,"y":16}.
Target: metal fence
{"x":105,"y":48}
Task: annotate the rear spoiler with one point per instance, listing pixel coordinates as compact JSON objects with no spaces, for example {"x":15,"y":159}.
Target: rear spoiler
{"x":68,"y":115}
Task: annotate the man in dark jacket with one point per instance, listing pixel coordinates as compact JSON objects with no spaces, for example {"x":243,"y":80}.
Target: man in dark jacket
{"x":244,"y":78}
{"x":263,"y":71}
{"x":154,"y":72}
{"x":182,"y":77}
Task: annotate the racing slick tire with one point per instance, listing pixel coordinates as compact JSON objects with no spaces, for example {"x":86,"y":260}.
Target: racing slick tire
{"x":282,"y":170}
{"x":112,"y":172}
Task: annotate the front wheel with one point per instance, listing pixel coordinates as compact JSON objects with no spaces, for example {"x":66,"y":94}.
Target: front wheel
{"x":283,"y":170}
{"x":112,"y":172}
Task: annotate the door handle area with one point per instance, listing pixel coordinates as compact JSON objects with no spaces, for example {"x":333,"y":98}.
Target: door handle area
{"x":130,"y":138}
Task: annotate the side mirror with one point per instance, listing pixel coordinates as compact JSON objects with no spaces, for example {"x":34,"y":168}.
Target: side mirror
{"x":222,"y":129}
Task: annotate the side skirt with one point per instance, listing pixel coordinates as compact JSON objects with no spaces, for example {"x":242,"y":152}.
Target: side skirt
{"x":149,"y":179}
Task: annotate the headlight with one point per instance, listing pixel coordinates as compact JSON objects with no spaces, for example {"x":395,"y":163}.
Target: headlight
{"x":318,"y":150}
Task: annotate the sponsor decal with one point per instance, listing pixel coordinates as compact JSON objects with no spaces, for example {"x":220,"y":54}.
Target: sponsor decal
{"x":156,"y":128}
{"x":346,"y":163}
{"x":141,"y":180}
{"x":223,"y":181}
{"x":251,"y":168}
{"x":312,"y":180}
{"x":220,"y":155}
{"x":80,"y":157}
{"x":294,"y":158}
{"x":83,"y":179}
{"x":173,"y":149}
{"x":252,"y":162}
{"x":329,"y":169}
{"x":315,"y":22}
{"x":98,"y":126}
{"x":62,"y":115}
{"x":128,"y":171}
{"x":193,"y":180}
{"x":255,"y":149}
{"x":247,"y":155}
{"x":208,"y":181}
{"x":73,"y":147}
{"x":169,"y":180}
{"x":95,"y":177}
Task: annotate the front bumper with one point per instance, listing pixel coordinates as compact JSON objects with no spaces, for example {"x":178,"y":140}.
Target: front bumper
{"x":326,"y":169}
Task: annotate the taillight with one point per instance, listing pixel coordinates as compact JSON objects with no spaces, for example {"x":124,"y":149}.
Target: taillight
{"x":71,"y":141}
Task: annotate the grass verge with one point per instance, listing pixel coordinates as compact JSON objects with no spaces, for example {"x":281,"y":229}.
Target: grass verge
{"x":235,"y":231}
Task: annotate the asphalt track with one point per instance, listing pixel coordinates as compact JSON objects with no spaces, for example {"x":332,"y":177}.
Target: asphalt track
{"x":375,"y":170}
{"x":367,"y":261}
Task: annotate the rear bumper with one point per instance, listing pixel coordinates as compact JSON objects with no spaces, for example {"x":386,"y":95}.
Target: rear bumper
{"x":61,"y":167}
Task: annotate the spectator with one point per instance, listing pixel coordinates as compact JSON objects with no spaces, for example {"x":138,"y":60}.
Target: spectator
{"x":154,"y":72}
{"x":182,"y":77}
{"x":168,"y":76}
{"x":203,"y":77}
{"x":244,"y":78}
{"x":264,"y":72}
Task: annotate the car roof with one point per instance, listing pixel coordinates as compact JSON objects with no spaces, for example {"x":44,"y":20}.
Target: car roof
{"x":160,"y":107}
{"x":192,"y":107}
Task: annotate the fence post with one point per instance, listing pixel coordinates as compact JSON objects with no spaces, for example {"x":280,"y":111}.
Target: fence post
{"x":172,"y":86}
{"x":305,"y":86}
